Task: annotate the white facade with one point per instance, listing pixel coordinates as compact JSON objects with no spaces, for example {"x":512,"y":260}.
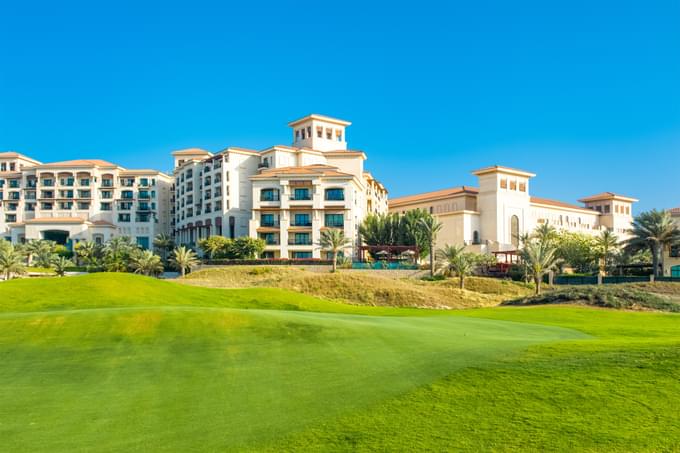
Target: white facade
{"x":285,"y":195}
{"x":492,"y":217}
{"x":81,"y":200}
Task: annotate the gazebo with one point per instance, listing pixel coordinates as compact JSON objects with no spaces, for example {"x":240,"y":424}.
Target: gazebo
{"x":388,"y":252}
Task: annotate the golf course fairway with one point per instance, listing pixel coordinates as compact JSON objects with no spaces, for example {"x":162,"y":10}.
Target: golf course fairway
{"x":207,"y":376}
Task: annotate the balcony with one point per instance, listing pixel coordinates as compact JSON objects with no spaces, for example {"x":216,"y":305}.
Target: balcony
{"x":270,"y":224}
{"x":300,"y":241}
{"x":303,"y":224}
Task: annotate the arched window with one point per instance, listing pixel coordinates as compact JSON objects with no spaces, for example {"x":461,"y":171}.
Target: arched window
{"x":475,"y":237}
{"x":514,"y":230}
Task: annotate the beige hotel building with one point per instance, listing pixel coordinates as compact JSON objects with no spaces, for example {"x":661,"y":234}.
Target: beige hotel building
{"x":492,"y":216}
{"x":285,"y":194}
{"x":81,"y":200}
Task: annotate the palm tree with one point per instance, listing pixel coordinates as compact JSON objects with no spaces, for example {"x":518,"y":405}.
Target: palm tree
{"x":60,"y":263}
{"x":545,"y":233}
{"x":607,"y":243}
{"x":87,"y":250}
{"x":183,"y":258}
{"x":146,"y":263}
{"x":540,"y":258}
{"x":455,"y":260}
{"x":45,"y":259}
{"x":429,"y":227}
{"x":11,"y":262}
{"x":164,"y":243}
{"x":37,"y":247}
{"x":334,"y":240}
{"x":653,"y":230}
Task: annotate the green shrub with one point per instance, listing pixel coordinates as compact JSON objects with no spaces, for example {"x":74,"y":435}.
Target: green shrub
{"x":619,"y":297}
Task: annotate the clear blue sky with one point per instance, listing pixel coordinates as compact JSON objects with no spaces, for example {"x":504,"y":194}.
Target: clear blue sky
{"x":584,"y":93}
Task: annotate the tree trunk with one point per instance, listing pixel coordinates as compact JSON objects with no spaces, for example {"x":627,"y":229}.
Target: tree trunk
{"x":335,"y":261}
{"x":182,"y":271}
{"x":537,"y":280}
{"x":655,"y":260}
{"x":462,"y":281}
{"x":431,"y":259}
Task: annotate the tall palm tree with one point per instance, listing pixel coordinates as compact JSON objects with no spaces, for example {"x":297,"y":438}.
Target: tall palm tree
{"x":656,"y":231}
{"x":429,"y":228}
{"x":164,"y":243}
{"x":456,"y":261}
{"x":540,"y":258}
{"x":145,"y":262}
{"x":11,"y":262}
{"x":60,"y":264}
{"x":607,"y":243}
{"x":183,"y":258}
{"x":334,"y":240}
{"x":545,"y":233}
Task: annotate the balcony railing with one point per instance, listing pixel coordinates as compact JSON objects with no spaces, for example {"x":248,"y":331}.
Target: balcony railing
{"x":300,"y":241}
{"x":301,"y":224}
{"x":270,"y":224}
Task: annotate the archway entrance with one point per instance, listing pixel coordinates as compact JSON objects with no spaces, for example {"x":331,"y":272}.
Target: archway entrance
{"x":58,"y":236}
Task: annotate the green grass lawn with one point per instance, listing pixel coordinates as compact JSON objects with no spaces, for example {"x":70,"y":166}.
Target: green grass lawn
{"x":119,"y":362}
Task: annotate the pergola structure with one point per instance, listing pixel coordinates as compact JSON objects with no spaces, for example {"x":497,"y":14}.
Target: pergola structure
{"x":504,"y":260}
{"x":389,"y":252}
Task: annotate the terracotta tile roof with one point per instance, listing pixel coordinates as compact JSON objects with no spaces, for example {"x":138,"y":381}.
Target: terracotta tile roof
{"x":431,"y":196}
{"x":80,"y":163}
{"x":607,"y":196}
{"x":500,"y":168}
{"x":55,"y":220}
{"x":320,"y":170}
{"x":560,"y":204}
{"x":15,"y":155}
{"x":102,"y":223}
{"x":675,"y":211}
{"x":190,"y":151}
{"x":315,"y":116}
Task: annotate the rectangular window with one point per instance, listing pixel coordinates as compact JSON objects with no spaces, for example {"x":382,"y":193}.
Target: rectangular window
{"x":522,"y":187}
{"x":105,"y":206}
{"x":334,"y":220}
{"x":335,"y":194}
{"x":143,"y":242}
{"x":504,"y":183}
{"x":302,"y":255}
{"x":107,"y":194}
{"x":607,"y":209}
{"x":267,"y":220}
{"x":513,"y":185}
{"x":269,"y":238}
{"x":14,"y":183}
{"x":123,"y":217}
{"x":301,"y":194}
{"x":302,"y":220}
{"x":269,"y":195}
{"x":319,"y":131}
{"x":83,"y":206}
{"x":126,"y":195}
{"x":301,"y":239}
{"x":329,"y":133}
{"x":338,"y":135}
{"x":84,"y":182}
{"x":675,"y":251}
{"x":46,"y":206}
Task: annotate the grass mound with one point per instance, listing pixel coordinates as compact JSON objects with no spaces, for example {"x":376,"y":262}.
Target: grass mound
{"x":627,"y":297}
{"x":363,"y":288}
